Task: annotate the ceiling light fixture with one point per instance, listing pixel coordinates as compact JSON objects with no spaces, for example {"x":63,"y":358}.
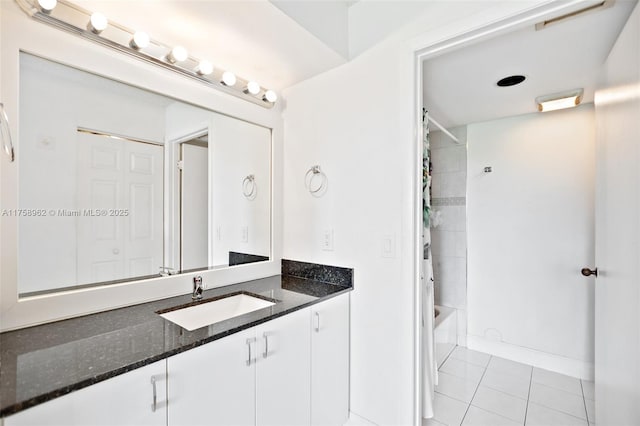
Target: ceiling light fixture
{"x":91,"y":26}
{"x":177,"y":54}
{"x":270,"y":96}
{"x":46,"y":6}
{"x":97,"y":23}
{"x":558,"y":101}
{"x":252,"y":88}
{"x":204,"y":67}
{"x":140,"y":40}
{"x":228,"y":79}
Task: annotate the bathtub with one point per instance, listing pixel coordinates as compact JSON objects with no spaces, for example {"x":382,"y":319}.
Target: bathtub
{"x":445,"y":332}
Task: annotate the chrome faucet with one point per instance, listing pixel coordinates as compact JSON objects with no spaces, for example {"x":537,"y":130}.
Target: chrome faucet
{"x":197,"y":288}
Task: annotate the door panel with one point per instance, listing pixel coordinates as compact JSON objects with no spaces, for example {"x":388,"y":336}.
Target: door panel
{"x":617,"y":313}
{"x":120,"y":209}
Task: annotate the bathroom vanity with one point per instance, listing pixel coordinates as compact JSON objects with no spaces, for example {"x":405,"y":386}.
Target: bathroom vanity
{"x":284,"y":364}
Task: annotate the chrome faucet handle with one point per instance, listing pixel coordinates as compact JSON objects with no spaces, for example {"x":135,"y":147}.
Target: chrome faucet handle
{"x":197,"y":288}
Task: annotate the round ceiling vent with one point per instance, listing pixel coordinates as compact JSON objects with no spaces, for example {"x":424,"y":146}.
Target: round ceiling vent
{"x":512,"y":80}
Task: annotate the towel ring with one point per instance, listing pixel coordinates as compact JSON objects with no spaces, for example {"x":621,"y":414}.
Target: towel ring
{"x":5,"y":134}
{"x":315,"y":180}
{"x":249,"y":189}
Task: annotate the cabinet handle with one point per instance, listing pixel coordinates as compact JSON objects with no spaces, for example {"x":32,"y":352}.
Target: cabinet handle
{"x":249,"y":342}
{"x":266,"y":345}
{"x":317,"y":322}
{"x":155,"y":394}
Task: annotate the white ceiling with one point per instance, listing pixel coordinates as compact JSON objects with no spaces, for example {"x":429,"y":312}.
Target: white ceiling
{"x":277,"y":43}
{"x":253,"y":38}
{"x":460,"y":86}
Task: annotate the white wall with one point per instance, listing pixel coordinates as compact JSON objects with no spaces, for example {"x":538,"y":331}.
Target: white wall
{"x":239,"y":149}
{"x":530,"y":231}
{"x":357,"y":123}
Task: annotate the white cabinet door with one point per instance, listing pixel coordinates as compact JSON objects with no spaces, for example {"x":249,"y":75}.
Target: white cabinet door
{"x":283,"y":371}
{"x":123,"y":400}
{"x":330,"y":362}
{"x":213,"y":384}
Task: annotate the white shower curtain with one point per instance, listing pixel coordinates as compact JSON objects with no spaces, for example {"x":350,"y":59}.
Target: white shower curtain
{"x":430,"y":372}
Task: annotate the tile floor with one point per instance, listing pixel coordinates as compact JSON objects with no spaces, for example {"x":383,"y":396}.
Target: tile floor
{"x":478,"y":389}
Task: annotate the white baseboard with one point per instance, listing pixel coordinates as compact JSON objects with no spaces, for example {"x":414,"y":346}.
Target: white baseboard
{"x":559,"y":364}
{"x":356,"y":420}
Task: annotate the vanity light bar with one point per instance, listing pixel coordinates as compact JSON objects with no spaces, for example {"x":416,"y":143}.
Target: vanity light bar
{"x":93,"y":26}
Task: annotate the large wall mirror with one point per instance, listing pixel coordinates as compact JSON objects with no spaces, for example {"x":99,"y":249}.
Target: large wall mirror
{"x":117,"y":183}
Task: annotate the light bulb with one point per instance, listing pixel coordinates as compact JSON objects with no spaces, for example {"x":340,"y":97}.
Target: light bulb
{"x":228,"y":78}
{"x":46,"y":6}
{"x":140,"y":40}
{"x":253,"y":88}
{"x":204,"y":67}
{"x":177,"y":54}
{"x":270,"y":96}
{"x":97,"y":23}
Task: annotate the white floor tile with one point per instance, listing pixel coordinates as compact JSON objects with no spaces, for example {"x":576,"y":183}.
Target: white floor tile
{"x":591,"y":410}
{"x":500,"y":403}
{"x":462,"y":369}
{"x":470,"y":356}
{"x":558,"y":400}
{"x":513,"y":385}
{"x":589,"y":390}
{"x":557,"y":381}
{"x":537,"y":415}
{"x":510,"y":367}
{"x":479,"y":417}
{"x":448,"y":411}
{"x":456,"y":387}
{"x":431,"y":422}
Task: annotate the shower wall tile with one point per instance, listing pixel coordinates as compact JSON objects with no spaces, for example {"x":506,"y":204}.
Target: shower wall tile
{"x":453,"y":218}
{"x":460,"y":244}
{"x":439,"y":140}
{"x":448,"y":159}
{"x":449,"y":239}
{"x":443,"y":243}
{"x":449,"y":184}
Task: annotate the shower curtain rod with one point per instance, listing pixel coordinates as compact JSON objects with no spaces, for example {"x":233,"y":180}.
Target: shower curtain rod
{"x":444,"y":130}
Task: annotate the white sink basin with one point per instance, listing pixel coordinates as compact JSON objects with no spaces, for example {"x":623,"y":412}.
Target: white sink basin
{"x":218,"y":310}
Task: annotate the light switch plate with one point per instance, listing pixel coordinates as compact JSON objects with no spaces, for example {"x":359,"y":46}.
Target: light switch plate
{"x":388,"y":246}
{"x":327,"y":240}
{"x":245,"y":234}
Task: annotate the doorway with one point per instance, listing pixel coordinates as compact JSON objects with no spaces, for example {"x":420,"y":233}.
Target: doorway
{"x":513,"y":193}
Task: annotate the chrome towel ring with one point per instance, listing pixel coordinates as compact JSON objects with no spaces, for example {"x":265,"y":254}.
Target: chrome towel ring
{"x":316,"y":181}
{"x":249,"y":188}
{"x":5,"y":134}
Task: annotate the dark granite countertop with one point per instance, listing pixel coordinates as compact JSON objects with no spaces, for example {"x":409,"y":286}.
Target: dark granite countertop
{"x":43,"y":362}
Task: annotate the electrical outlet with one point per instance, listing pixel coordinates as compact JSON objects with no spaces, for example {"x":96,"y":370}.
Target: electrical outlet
{"x":245,"y":234}
{"x":327,"y":240}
